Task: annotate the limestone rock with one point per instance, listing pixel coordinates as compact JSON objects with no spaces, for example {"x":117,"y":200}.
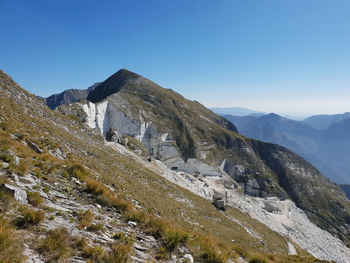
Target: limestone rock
{"x":18,"y":194}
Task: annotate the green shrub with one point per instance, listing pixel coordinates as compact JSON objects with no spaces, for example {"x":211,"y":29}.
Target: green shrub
{"x":56,"y":246}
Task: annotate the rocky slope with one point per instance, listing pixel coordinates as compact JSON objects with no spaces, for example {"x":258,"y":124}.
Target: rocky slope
{"x":186,"y":136}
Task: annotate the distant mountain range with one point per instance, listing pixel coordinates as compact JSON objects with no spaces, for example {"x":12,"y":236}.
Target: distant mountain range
{"x":324,"y":121}
{"x":323,"y":140}
{"x":237,"y":111}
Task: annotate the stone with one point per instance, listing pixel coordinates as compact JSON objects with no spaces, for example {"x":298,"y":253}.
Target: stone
{"x":112,"y":136}
{"x":19,"y":194}
{"x":4,"y":165}
{"x":187,"y":258}
{"x":132,"y":223}
{"x":139,"y":247}
{"x":271,"y":208}
{"x":35,"y":147}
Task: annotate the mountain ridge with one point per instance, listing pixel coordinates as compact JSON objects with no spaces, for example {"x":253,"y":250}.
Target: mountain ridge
{"x":324,"y":148}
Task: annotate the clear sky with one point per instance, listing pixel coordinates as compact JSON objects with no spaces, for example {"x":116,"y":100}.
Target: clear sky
{"x":284,"y":56}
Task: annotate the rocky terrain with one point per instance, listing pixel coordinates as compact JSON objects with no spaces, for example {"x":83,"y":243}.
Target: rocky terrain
{"x":130,"y":176}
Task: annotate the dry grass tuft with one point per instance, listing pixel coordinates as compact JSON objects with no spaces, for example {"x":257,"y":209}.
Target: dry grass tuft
{"x":56,"y":246}
{"x":34,"y":198}
{"x":29,"y":217}
{"x":11,"y":249}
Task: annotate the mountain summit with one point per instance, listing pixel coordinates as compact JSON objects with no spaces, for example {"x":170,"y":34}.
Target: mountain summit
{"x":113,"y":84}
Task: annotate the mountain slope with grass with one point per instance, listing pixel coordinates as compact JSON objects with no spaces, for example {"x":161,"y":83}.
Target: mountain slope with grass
{"x":71,"y":195}
{"x":186,"y":136}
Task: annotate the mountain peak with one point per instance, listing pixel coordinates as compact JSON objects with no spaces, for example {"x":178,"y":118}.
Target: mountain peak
{"x":112,"y":85}
{"x":270,"y":117}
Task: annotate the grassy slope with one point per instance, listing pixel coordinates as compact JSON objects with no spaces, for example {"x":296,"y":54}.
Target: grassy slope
{"x":21,"y":113}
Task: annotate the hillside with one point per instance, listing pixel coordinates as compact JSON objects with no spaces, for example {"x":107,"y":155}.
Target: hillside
{"x":186,"y":136}
{"x":114,"y":203}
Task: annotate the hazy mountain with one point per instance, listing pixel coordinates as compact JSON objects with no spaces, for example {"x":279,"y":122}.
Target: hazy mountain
{"x":235,"y":111}
{"x":135,"y":169}
{"x":324,"y":121}
{"x":326,"y":149}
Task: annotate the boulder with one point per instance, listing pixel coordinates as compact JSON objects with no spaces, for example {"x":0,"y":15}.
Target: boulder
{"x":112,"y":136}
{"x":19,"y":194}
{"x":35,"y":147}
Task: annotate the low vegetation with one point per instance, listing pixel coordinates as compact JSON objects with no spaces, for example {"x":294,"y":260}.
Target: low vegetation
{"x":11,"y":247}
{"x":29,"y":217}
{"x":34,"y":198}
{"x":56,"y":246}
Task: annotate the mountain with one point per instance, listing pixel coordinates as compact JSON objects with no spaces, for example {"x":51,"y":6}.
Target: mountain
{"x":131,"y":175}
{"x":235,"y":111}
{"x":324,"y":121}
{"x":68,"y":96}
{"x":186,"y":136}
{"x":326,"y":148}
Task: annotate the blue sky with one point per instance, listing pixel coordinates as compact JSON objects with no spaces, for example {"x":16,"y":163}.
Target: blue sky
{"x":289,"y":57}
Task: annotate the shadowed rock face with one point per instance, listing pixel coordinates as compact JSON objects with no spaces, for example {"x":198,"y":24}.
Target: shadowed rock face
{"x":112,"y":85}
